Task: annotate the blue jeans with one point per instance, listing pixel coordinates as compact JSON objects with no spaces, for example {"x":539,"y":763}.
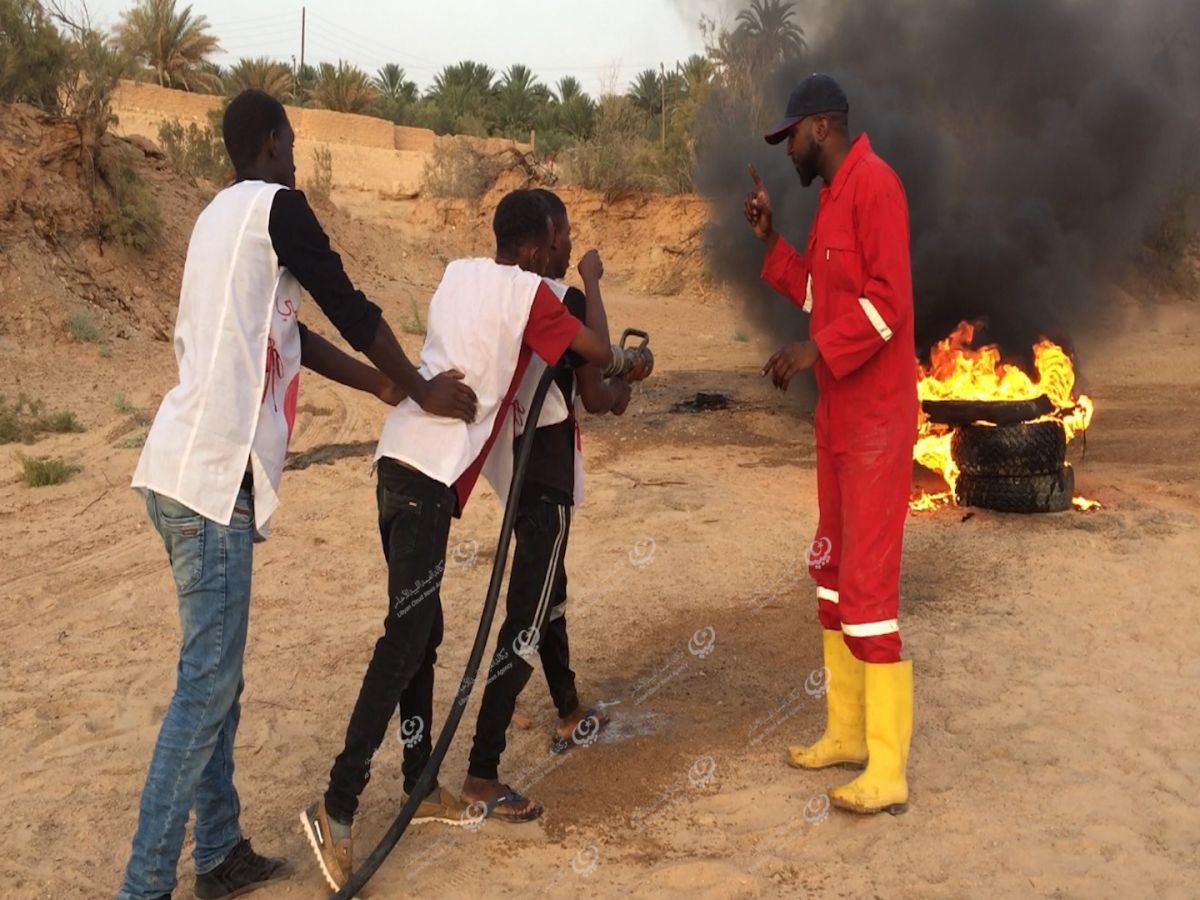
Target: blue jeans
{"x":192,"y":763}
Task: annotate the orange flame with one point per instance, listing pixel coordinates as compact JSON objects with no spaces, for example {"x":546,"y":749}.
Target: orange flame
{"x":958,"y":371}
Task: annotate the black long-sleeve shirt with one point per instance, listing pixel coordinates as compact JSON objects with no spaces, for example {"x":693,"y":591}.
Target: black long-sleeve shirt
{"x":552,"y":457}
{"x":303,"y":249}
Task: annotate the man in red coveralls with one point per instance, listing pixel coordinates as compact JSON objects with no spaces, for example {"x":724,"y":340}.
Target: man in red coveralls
{"x":854,"y":278}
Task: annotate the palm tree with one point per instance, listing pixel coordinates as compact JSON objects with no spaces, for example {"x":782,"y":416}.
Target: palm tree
{"x":172,"y":43}
{"x":464,"y":88}
{"x":343,"y":88}
{"x":209,"y":78}
{"x":697,"y":73}
{"x":569,"y":88}
{"x":576,"y":111}
{"x":262,"y":74}
{"x":769,"y":32}
{"x":397,"y":94}
{"x":393,"y":85}
{"x":462,"y":95}
{"x":519,"y":100}
{"x":646,"y":92}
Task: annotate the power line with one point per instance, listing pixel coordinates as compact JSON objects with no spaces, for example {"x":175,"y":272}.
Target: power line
{"x":367,"y":43}
{"x":330,"y":41}
{"x":349,"y":39}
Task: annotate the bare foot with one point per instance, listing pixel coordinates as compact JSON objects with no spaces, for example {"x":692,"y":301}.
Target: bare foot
{"x":489,"y":790}
{"x":567,"y":726}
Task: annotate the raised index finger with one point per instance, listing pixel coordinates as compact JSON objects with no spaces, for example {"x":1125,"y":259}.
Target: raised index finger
{"x":757,"y":181}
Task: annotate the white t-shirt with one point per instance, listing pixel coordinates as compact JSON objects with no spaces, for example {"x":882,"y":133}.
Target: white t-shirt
{"x":237,"y":344}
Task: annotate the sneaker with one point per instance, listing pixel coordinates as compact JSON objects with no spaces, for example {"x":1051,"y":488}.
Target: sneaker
{"x":241,"y":872}
{"x":331,"y":842}
{"x":440,"y":806}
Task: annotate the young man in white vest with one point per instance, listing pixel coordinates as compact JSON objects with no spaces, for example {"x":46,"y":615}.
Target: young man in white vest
{"x":211,"y":467}
{"x":487,"y":319}
{"x":535,"y":623}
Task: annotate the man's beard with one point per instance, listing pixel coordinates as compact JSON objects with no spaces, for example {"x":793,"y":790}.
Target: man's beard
{"x":808,"y":167}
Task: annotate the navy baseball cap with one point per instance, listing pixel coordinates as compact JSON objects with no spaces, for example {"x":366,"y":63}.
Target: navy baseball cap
{"x":817,"y":93}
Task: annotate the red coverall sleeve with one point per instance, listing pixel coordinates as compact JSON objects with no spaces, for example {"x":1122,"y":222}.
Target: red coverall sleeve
{"x":786,"y":271}
{"x":851,"y":339}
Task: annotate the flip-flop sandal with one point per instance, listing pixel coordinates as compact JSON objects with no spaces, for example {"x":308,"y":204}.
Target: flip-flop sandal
{"x":560,"y":744}
{"x":512,"y":796}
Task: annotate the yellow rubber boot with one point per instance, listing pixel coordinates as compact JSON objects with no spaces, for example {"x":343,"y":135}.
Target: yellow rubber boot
{"x":884,"y":784}
{"x":844,"y":741}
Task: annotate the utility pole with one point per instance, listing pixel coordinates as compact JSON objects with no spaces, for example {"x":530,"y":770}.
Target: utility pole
{"x":662,"y":67}
{"x":302,"y":23}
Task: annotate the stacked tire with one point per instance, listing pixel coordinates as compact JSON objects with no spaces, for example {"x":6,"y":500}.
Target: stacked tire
{"x":1018,"y":467}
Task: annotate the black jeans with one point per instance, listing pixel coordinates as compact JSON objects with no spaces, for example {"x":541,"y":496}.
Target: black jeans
{"x":537,"y":590}
{"x":414,"y":523}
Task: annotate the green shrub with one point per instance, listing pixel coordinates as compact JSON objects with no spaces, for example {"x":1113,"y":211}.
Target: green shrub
{"x":457,"y":169}
{"x":11,"y":428}
{"x":322,"y":181}
{"x":195,"y":152}
{"x":132,"y":442}
{"x":34,"y":58}
{"x":616,"y":158}
{"x":24,"y":420}
{"x":40,"y":471}
{"x":129,"y":211}
{"x":135,"y":416}
{"x":81,"y":325}
{"x":64,"y":423}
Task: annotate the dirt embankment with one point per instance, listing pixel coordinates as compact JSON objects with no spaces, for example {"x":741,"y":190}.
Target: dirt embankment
{"x":54,"y":263}
{"x":368,"y":153}
{"x":651,"y":241}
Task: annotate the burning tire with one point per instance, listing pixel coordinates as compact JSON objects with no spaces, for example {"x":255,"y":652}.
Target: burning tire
{"x":998,"y":412}
{"x":1018,"y":494}
{"x":1031,"y":448}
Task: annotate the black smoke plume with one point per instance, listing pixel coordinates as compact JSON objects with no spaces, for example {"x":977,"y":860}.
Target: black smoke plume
{"x":1038,"y":141}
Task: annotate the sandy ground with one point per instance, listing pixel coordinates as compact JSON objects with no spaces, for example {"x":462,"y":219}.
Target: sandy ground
{"x":1055,"y":750}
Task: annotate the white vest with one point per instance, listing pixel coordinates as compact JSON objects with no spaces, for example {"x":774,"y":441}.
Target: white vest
{"x":477,"y":320}
{"x":237,"y":344}
{"x":498,"y":469}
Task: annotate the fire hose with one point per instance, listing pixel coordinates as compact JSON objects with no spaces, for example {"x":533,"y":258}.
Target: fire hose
{"x":625,"y":359}
{"x":624,"y":363}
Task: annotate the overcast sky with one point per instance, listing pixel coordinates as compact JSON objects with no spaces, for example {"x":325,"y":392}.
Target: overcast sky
{"x":597,"y":41}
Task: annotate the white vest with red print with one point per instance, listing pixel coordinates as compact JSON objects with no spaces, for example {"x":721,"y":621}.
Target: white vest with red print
{"x":237,"y":344}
